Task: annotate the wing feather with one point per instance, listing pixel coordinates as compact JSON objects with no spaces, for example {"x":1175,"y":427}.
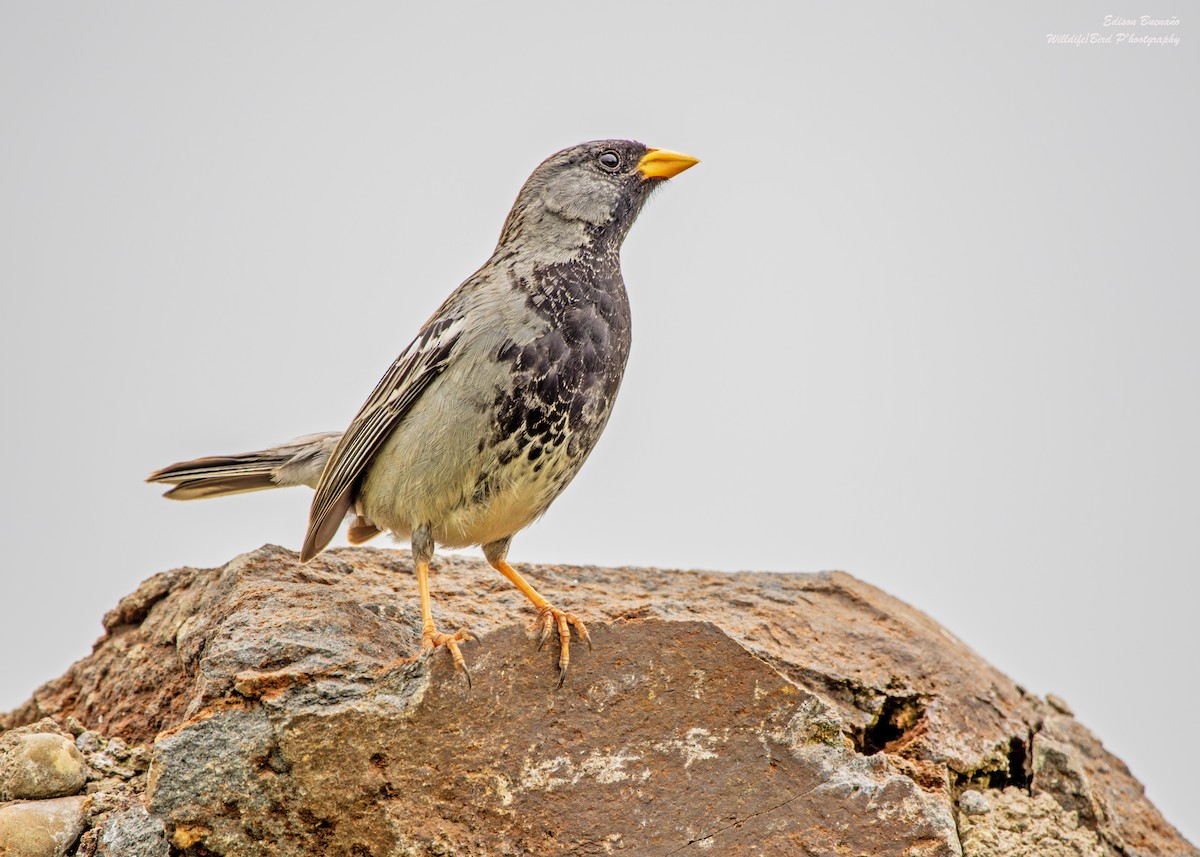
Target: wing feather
{"x":395,"y":394}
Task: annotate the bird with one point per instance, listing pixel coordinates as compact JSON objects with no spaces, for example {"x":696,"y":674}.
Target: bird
{"x":492,"y":409}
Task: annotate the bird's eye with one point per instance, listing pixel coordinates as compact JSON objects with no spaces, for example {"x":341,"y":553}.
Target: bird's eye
{"x":609,"y":160}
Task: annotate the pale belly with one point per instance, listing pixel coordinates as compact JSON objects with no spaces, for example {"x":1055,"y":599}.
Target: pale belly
{"x":434,"y":470}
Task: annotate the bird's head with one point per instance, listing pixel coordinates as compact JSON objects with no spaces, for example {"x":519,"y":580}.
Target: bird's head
{"x":588,"y":194}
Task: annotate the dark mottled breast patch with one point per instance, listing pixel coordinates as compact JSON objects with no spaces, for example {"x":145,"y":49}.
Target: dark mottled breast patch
{"x":564,"y":382}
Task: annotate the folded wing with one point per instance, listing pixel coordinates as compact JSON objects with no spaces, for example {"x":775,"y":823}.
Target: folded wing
{"x":395,"y":394}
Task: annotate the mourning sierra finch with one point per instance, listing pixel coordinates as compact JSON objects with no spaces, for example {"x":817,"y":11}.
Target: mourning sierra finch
{"x":489,"y":413}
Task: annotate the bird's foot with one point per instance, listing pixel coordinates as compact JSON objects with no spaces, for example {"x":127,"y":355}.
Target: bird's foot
{"x":431,"y":639}
{"x":550,"y":617}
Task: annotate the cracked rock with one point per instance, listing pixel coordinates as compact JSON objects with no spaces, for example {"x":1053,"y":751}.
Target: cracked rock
{"x":287,"y":710}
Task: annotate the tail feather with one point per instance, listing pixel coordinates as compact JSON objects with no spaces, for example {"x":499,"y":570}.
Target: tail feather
{"x":219,"y":486}
{"x":297,"y":462}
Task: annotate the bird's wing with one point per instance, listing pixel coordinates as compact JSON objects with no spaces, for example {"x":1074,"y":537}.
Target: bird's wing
{"x":412,"y":373}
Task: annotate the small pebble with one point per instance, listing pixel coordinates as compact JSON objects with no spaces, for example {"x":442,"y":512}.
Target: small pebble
{"x":105,"y":763}
{"x":1059,"y":704}
{"x":117,"y":747}
{"x":89,"y":742}
{"x":973,"y":803}
{"x":107,"y":801}
{"x":139,"y":758}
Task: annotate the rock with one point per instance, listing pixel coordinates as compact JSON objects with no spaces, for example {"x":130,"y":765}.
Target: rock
{"x":289,"y":712}
{"x":133,"y":832}
{"x":39,"y":765}
{"x":972,"y":802}
{"x":44,"y":828}
{"x":88,"y":741}
{"x":75,"y":727}
{"x":117,"y":748}
{"x":1021,"y":825}
{"x":114,"y":794}
{"x":1071,"y":765}
{"x":139,"y":759}
{"x":516,"y":767}
{"x":1059,"y":704}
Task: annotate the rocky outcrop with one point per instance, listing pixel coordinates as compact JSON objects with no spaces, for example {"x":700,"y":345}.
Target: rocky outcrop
{"x":282,"y":709}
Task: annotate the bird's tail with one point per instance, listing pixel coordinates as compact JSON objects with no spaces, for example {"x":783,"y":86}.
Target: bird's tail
{"x":297,"y":462}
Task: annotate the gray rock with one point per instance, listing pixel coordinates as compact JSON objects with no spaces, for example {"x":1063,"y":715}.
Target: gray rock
{"x":117,"y":748}
{"x":44,"y":828}
{"x":973,"y":803}
{"x":89,"y":742}
{"x":39,"y":765}
{"x":105,"y":763}
{"x":133,"y":832}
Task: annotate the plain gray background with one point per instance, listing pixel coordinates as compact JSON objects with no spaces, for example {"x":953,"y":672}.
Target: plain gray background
{"x":926,"y":312}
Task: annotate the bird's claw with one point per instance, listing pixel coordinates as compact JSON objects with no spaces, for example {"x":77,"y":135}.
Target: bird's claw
{"x":431,"y":639}
{"x":549,"y":618}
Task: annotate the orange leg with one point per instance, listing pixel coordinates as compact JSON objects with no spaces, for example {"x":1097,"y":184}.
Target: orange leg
{"x":549,"y":617}
{"x":430,"y":638}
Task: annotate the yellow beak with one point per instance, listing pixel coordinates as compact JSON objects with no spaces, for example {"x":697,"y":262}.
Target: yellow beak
{"x":663,"y":163}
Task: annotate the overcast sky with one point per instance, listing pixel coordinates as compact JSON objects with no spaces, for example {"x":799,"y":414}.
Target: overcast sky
{"x":926,"y":312}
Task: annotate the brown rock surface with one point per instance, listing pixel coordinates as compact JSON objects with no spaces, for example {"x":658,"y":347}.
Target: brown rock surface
{"x":731,"y":713}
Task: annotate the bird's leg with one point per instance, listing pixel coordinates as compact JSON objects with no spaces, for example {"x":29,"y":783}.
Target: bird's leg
{"x":422,"y":550}
{"x":549,"y":617}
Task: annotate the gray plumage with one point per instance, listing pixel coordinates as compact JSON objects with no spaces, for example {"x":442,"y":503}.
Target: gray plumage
{"x":516,"y":374}
{"x":491,"y":410}
{"x":297,"y":462}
